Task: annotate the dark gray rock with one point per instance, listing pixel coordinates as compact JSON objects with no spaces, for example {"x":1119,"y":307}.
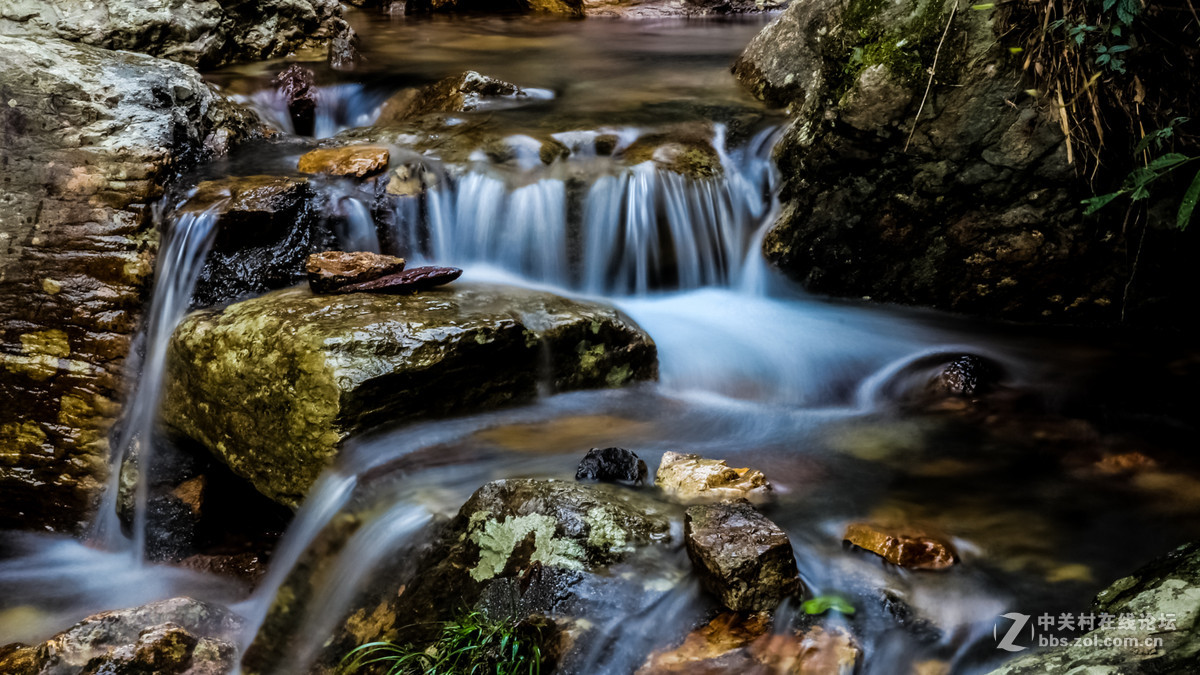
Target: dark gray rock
{"x":977,"y":211}
{"x":297,"y":85}
{"x":612,"y":465}
{"x":741,"y":556}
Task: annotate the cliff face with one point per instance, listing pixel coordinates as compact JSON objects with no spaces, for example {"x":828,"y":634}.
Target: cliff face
{"x":90,"y":137}
{"x":976,"y":210}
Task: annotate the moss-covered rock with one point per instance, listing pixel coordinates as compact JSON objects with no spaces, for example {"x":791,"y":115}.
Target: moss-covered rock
{"x":1163,"y":598}
{"x":960,"y":198}
{"x":273,"y":385}
{"x":519,"y":547}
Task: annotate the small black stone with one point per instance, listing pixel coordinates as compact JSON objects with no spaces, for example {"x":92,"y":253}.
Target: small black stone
{"x":611,"y":465}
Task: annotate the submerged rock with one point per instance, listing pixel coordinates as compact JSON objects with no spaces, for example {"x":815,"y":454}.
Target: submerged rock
{"x":408,"y":281}
{"x":694,"y":479}
{"x":180,"y":636}
{"x":298,"y":87}
{"x":744,"y":644}
{"x":611,"y":465}
{"x":325,"y":367}
{"x":1164,"y":600}
{"x":741,"y":556}
{"x":205,"y":34}
{"x":357,"y":161}
{"x":686,"y":150}
{"x":915,"y":551}
{"x":329,"y":271}
{"x":91,"y":137}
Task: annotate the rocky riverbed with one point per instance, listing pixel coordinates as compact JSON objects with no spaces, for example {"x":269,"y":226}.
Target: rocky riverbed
{"x":327,"y":325}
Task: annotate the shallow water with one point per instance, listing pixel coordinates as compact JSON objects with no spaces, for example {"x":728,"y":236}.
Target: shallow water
{"x":752,"y":370}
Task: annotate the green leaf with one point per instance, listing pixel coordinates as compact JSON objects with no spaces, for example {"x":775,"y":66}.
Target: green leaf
{"x":1119,"y":48}
{"x":1109,"y":4}
{"x":983,"y":7}
{"x":1140,"y":192}
{"x":1096,"y":203}
{"x":1167,"y":161}
{"x":1189,"y":203}
{"x":824,"y":603}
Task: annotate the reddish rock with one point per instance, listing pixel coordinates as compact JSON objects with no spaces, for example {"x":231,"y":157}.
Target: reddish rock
{"x":356,"y":161}
{"x":331,"y":270}
{"x":912,"y":550}
{"x":743,"y":645}
{"x":298,"y":87}
{"x":409,"y":281}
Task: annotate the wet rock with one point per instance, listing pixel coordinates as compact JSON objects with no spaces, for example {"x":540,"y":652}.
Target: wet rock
{"x":694,"y":479}
{"x":465,"y":92}
{"x":247,"y":567}
{"x":915,"y":551}
{"x":408,"y":281}
{"x":741,"y":556}
{"x":329,"y":366}
{"x":966,"y":375}
{"x":565,"y":7}
{"x":397,"y":107}
{"x":606,"y":144}
{"x":1164,"y":599}
{"x":266,"y":227}
{"x":343,"y":46}
{"x":180,"y":636}
{"x":357,"y":161}
{"x":737,"y":643}
{"x":90,"y":139}
{"x":205,"y":34}
{"x":611,"y":465}
{"x":298,"y":87}
{"x":859,"y":184}
{"x":524,"y":547}
{"x":686,"y":150}
{"x":330,"y":270}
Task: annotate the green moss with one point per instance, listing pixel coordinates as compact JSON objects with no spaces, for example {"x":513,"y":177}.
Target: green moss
{"x":905,"y":47}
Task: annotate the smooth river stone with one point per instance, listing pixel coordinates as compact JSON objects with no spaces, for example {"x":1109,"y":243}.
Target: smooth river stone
{"x":906,"y":549}
{"x":329,"y":271}
{"x":353,"y":161}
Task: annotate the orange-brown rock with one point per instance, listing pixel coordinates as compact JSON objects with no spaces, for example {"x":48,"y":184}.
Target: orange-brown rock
{"x":912,"y":550}
{"x":1124,"y":463}
{"x":330,"y":270}
{"x":740,"y":644}
{"x":354,"y":161}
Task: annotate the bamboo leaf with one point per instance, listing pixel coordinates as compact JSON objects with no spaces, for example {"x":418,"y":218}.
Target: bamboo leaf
{"x":1189,"y":203}
{"x":1096,"y":203}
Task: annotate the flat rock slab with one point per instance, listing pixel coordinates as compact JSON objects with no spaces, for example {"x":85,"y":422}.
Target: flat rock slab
{"x":906,"y":549}
{"x":354,"y":161}
{"x":273,"y":385}
{"x":329,"y":271}
{"x":741,"y":556}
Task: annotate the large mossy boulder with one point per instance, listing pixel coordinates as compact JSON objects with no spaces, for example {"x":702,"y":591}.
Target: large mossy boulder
{"x":962,"y":198}
{"x":206,"y":33}
{"x":273,"y":385}
{"x":90,"y":139}
{"x":1162,"y":598}
{"x":517,"y":548}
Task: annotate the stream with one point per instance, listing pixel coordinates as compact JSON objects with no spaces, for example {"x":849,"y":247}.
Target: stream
{"x":752,"y":369}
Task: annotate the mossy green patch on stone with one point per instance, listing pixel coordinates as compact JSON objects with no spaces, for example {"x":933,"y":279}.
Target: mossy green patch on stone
{"x":497,"y":540}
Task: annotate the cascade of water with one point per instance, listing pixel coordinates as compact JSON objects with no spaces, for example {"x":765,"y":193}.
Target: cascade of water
{"x":338,"y":107}
{"x":638,"y":228}
{"x":186,"y":243}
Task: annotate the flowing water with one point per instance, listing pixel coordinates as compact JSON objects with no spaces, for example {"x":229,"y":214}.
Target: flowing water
{"x":752,"y":370}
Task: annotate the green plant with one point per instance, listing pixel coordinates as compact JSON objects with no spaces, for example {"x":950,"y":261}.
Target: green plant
{"x":471,"y":644}
{"x":824,"y":603}
{"x":1137,"y":183}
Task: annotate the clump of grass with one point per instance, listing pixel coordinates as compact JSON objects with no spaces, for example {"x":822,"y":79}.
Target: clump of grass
{"x":472,"y":644}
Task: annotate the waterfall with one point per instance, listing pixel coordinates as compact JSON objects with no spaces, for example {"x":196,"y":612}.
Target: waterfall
{"x":186,"y":244}
{"x":636,"y":229}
